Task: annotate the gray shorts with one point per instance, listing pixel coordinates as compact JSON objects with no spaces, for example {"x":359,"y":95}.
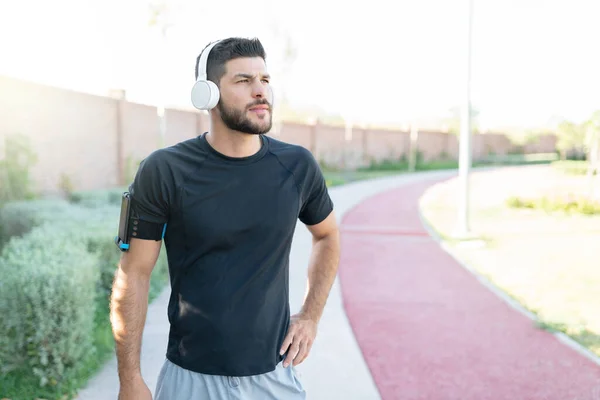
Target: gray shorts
{"x":176,"y":383}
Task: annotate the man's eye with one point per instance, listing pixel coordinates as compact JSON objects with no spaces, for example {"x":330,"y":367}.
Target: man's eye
{"x":243,"y":80}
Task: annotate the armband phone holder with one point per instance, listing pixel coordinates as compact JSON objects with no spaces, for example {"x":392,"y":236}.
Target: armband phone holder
{"x":131,"y":224}
{"x":122,"y":239}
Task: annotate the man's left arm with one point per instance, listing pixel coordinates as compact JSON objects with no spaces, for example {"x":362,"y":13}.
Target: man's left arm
{"x":322,"y":270}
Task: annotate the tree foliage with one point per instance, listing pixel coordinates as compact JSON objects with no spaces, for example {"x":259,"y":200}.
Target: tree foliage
{"x":579,"y":140}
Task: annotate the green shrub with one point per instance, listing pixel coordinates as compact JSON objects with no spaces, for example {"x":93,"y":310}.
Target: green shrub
{"x":389,"y":164}
{"x":401,"y":164}
{"x":19,"y":217}
{"x":95,"y":198}
{"x":572,"y":167}
{"x":48,"y":304}
{"x":334,"y":181}
{"x":437,"y":165}
{"x":568,"y":204}
{"x":15,"y":165}
{"x":93,"y":218}
{"x":59,"y":264}
{"x":518,"y":202}
{"x":517,"y":159}
{"x":107,"y":256}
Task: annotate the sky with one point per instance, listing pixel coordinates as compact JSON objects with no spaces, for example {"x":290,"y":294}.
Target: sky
{"x":532,"y":61}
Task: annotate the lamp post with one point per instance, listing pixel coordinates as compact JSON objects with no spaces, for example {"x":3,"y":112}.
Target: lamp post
{"x":412,"y":150}
{"x":160,"y":17}
{"x":463,"y":229}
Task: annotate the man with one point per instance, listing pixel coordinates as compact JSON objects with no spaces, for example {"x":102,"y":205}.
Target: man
{"x":230,"y":200}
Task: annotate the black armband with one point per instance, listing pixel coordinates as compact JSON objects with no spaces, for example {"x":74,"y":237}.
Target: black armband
{"x":131,"y":226}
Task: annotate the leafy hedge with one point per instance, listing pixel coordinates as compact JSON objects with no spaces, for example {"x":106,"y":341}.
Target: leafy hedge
{"x":565,"y":204}
{"x":97,"y":198}
{"x":18,"y":218}
{"x":48,"y":286}
{"x":572,"y":167}
{"x":56,"y":270}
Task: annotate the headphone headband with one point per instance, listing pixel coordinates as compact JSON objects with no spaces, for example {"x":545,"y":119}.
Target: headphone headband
{"x":202,"y":64}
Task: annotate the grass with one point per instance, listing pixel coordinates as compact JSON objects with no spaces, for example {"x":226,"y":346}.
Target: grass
{"x":378,"y":170}
{"x":336,"y":178}
{"x":546,"y":259}
{"x":574,"y":167}
{"x":393,"y":167}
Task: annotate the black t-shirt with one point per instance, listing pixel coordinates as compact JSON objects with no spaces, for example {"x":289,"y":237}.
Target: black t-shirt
{"x":230,"y":223}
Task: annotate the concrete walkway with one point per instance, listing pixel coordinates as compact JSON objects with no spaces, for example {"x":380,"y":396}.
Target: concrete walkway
{"x":335,"y":368}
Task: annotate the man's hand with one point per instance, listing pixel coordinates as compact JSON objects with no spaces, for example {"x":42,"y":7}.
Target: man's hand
{"x":299,"y":340}
{"x":135,"y":390}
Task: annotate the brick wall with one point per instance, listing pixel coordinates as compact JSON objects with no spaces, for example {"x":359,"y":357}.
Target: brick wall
{"x":94,"y":140}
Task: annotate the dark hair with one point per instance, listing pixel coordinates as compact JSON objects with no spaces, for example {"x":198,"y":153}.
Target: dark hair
{"x":226,"y":50}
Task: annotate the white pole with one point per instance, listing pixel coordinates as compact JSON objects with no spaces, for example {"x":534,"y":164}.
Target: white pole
{"x":412,"y":156}
{"x":162,"y":76}
{"x":463,"y":229}
{"x":348,"y":139}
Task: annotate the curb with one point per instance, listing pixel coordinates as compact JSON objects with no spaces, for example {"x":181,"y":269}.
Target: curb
{"x":560,"y":336}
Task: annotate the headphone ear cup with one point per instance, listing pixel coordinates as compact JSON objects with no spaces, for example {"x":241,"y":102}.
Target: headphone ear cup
{"x":205,"y":95}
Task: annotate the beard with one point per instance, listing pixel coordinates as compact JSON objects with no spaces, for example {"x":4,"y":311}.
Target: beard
{"x":237,"y":120}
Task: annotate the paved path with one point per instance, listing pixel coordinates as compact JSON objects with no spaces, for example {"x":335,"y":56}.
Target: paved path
{"x":335,"y":369}
{"x":429,"y":329}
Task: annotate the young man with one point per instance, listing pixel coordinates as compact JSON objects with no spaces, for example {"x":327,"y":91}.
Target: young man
{"x":230,"y":200}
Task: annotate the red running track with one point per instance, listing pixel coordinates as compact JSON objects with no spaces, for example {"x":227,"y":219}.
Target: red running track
{"x":430,"y":331}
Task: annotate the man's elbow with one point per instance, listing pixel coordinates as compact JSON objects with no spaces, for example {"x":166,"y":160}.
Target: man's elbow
{"x":131,"y":269}
{"x":330,"y":237}
{"x":326,"y":230}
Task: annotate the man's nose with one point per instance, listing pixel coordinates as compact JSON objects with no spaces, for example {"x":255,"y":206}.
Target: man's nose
{"x":260,"y":90}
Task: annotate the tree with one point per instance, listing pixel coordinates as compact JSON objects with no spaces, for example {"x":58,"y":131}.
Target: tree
{"x":580,"y":140}
{"x":571,"y":140}
{"x":591,"y":129}
{"x":158,"y":17}
{"x":15,"y":169}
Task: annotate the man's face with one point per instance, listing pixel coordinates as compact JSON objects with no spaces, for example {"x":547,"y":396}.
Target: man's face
{"x":246,"y":96}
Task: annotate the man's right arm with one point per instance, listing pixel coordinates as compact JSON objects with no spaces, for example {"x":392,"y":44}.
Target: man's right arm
{"x":128,"y":307}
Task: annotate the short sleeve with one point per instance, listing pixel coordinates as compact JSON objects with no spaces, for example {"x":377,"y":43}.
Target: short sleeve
{"x":317,"y":204}
{"x":152,"y":190}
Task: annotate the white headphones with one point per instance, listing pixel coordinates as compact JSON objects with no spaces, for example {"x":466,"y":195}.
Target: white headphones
{"x":205,"y":93}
